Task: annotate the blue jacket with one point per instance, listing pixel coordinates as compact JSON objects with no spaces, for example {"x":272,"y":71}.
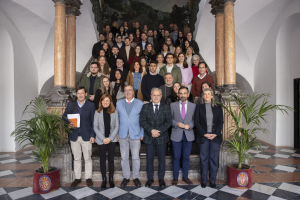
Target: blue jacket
{"x":86,"y":121}
{"x":130,"y":123}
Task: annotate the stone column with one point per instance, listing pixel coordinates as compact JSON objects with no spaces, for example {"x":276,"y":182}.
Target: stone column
{"x":72,"y":12}
{"x":219,"y":45}
{"x":230,"y":62}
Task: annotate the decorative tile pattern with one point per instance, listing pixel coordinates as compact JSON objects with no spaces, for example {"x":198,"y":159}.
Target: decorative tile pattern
{"x":174,"y":191}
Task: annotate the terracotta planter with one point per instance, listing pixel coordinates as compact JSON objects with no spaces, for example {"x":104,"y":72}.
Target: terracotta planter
{"x":239,"y":178}
{"x":46,"y":182}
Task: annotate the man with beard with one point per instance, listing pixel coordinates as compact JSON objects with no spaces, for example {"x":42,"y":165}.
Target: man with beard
{"x":98,"y":46}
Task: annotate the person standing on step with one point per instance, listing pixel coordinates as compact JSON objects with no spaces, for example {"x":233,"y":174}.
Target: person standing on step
{"x":193,"y":43}
{"x":97,"y":46}
{"x":92,"y":81}
{"x":120,"y":66}
{"x":130,"y":135}
{"x":106,"y":127}
{"x":182,"y":135}
{"x":209,"y":125}
{"x":156,"y":119}
{"x":170,"y":67}
{"x":112,"y":59}
{"x":81,"y":138}
{"x":126,"y":52}
{"x":167,"y":88}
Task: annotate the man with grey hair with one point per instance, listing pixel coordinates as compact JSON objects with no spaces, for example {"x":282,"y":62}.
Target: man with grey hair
{"x":166,"y":89}
{"x":156,"y":119}
{"x":130,"y":134}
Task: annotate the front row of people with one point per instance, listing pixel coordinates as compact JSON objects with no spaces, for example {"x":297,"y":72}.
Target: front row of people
{"x":132,"y":121}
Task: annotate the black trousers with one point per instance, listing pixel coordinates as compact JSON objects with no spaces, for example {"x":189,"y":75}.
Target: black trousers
{"x":110,"y":148}
{"x":161,"y":154}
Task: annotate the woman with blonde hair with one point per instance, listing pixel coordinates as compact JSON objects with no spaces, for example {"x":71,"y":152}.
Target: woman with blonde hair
{"x":160,"y":62}
{"x":133,"y":44}
{"x":106,"y":127}
{"x":144,"y":65}
{"x":145,"y":29}
{"x":110,"y":39}
{"x":169,"y":43}
{"x":178,"y":50}
{"x":105,"y":88}
{"x":149,"y":53}
{"x":104,"y":67}
{"x":189,"y":54}
{"x":135,"y":77}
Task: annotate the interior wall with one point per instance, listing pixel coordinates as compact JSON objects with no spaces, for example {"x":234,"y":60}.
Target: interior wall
{"x":7,"y":117}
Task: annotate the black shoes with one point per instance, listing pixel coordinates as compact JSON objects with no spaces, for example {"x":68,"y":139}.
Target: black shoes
{"x":137,"y":182}
{"x":75,"y":182}
{"x":89,"y":182}
{"x":111,"y":183}
{"x":162,"y":183}
{"x":213,"y":185}
{"x":149,"y":183}
{"x":103,"y":185}
{"x":203,"y":185}
{"x":124,"y":182}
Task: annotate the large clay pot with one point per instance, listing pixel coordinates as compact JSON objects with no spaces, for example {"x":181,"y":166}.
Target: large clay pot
{"x":239,"y":178}
{"x":46,"y":182}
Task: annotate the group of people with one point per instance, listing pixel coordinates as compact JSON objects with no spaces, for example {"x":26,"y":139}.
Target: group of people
{"x":133,"y":95}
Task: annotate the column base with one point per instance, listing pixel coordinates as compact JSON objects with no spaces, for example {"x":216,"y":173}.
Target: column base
{"x":231,"y":87}
{"x":59,"y":96}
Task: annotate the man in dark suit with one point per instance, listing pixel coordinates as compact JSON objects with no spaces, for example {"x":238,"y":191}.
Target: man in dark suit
{"x":112,"y":60}
{"x":125,"y":52}
{"x":98,"y":46}
{"x":120,"y":66}
{"x":156,"y":119}
{"x":119,"y":43}
{"x":82,"y":137}
{"x":153,"y":41}
{"x":193,"y":43}
{"x":144,"y":42}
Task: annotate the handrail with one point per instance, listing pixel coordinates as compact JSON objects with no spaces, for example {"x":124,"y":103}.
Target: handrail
{"x":83,"y":71}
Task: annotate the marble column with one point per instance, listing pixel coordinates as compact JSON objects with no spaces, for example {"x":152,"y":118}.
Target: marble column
{"x":219,"y":45}
{"x":72,"y":12}
{"x":60,"y":44}
{"x":230,"y":57}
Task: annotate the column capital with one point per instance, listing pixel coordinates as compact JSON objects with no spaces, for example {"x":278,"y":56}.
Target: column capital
{"x":64,"y":2}
{"x":217,"y":10}
{"x":228,"y":1}
{"x":72,"y":11}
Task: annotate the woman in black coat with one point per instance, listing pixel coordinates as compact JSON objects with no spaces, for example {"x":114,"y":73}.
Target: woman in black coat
{"x":209,"y":124}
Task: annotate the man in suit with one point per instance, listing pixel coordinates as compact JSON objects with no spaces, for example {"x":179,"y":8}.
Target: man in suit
{"x":156,"y":119}
{"x":144,"y":42}
{"x":125,"y":52}
{"x":120,"y":66}
{"x":82,"y":137}
{"x":153,"y":41}
{"x":119,"y":43}
{"x":98,"y":46}
{"x":182,"y":135}
{"x":113,"y":58}
{"x":174,"y":34}
{"x":193,"y":43}
{"x":130,"y":134}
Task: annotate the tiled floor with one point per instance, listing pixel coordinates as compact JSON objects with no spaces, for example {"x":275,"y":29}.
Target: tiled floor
{"x":276,"y":175}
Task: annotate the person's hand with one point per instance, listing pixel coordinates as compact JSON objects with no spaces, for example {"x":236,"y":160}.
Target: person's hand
{"x":142,"y":138}
{"x":104,"y":141}
{"x":92,"y":140}
{"x":207,"y":135}
{"x":107,"y":140}
{"x":155,"y":133}
{"x":92,"y":97}
{"x":180,"y":125}
{"x":187,"y":126}
{"x":71,"y":125}
{"x":118,"y":138}
{"x":212,"y":136}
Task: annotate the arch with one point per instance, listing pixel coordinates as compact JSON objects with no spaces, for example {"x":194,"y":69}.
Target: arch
{"x":287,"y":69}
{"x":7,"y":114}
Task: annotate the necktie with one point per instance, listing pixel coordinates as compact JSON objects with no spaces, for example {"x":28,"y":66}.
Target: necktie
{"x":128,"y":102}
{"x":183,"y":111}
{"x":156,"y":111}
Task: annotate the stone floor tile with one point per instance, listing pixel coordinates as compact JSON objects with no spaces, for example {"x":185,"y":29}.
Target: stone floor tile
{"x":143,"y":192}
{"x":5,"y":181}
{"x":21,"y":193}
{"x":54,"y":193}
{"x":263,"y":189}
{"x":82,"y":192}
{"x":234,"y":191}
{"x":208,"y":191}
{"x":174,"y":191}
{"x":24,"y":173}
{"x":21,"y":182}
{"x":113,"y":192}
{"x":262,"y":169}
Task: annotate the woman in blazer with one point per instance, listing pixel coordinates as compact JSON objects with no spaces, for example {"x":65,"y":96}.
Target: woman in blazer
{"x":106,"y":127}
{"x":209,"y":124}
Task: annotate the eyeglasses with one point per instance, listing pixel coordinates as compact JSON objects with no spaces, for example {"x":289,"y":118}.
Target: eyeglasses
{"x":127,"y":90}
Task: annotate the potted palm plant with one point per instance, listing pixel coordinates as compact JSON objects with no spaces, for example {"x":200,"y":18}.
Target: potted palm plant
{"x":253,"y":109}
{"x":42,"y":130}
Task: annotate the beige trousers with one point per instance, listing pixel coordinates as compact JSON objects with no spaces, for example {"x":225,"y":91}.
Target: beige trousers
{"x":79,"y":147}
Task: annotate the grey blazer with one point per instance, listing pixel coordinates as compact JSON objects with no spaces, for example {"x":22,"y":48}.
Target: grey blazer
{"x":99,"y":127}
{"x":177,"y":132}
{"x":120,"y":95}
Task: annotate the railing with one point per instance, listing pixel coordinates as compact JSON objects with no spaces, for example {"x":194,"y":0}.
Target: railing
{"x":83,"y":71}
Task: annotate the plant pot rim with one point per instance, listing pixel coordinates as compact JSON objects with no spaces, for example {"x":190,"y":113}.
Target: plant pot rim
{"x":56,"y":169}
{"x":239,"y":169}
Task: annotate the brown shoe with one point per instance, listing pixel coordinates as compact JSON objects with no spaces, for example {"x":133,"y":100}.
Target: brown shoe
{"x":175,"y":182}
{"x":188,"y":181}
{"x":75,"y":182}
{"x":89,"y":182}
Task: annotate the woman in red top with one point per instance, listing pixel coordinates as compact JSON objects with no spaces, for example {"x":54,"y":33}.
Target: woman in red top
{"x":136,"y":56}
{"x":195,"y":66}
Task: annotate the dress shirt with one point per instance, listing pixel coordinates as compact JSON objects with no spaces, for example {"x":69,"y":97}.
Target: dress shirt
{"x":79,"y":104}
{"x":129,"y":101}
{"x":155,"y":107}
{"x":202,"y":77}
{"x":153,"y":74}
{"x":185,"y":106}
{"x":143,"y":44}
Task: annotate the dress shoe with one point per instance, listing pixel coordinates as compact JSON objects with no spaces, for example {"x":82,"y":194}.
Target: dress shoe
{"x":188,"y":181}
{"x":89,"y":182}
{"x":103,"y":185}
{"x":75,"y":182}
{"x":175,"y":182}
{"x":162,"y":183}
{"x":203,"y":185}
{"x":213,"y":185}
{"x":149,"y":183}
{"x":111,"y":183}
{"x":137,"y":182}
{"x":124,"y":182}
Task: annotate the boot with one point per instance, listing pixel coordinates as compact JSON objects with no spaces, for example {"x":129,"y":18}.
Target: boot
{"x":103,"y":185}
{"x":111,"y":182}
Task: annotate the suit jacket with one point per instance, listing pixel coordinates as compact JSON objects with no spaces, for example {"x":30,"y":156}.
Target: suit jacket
{"x":86,"y":82}
{"x":123,"y":55}
{"x":113,"y":71}
{"x":130,"y":124}
{"x":112,"y":61}
{"x":177,"y":132}
{"x":172,"y":37}
{"x":162,"y":123}
{"x":141,"y":45}
{"x":96,"y":49}
{"x":201,"y":126}
{"x":123,"y":44}
{"x":100,"y":129}
{"x":155,"y":45}
{"x":176,"y":73}
{"x":86,"y":121}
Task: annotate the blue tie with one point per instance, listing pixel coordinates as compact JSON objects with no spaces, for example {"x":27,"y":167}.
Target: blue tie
{"x":156,"y":111}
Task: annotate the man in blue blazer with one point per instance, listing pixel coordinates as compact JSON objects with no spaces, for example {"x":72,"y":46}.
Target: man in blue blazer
{"x":82,"y":138}
{"x":130,"y":134}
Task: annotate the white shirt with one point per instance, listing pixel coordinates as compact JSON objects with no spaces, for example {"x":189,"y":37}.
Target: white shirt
{"x":169,"y":69}
{"x":155,"y":106}
{"x":185,"y":106}
{"x":129,"y":101}
{"x":202,"y":77}
{"x":153,"y":74}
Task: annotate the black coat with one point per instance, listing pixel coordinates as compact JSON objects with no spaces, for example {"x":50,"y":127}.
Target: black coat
{"x":112,"y":62}
{"x":113,"y":71}
{"x":201,"y":126}
{"x":96,"y":49}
